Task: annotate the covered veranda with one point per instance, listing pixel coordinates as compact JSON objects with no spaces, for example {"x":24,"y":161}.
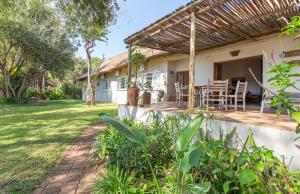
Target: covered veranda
{"x":252,"y":116}
{"x":206,"y":24}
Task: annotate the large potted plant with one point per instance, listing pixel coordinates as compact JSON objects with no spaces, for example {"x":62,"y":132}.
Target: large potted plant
{"x":136,"y":59}
{"x":146,"y":97}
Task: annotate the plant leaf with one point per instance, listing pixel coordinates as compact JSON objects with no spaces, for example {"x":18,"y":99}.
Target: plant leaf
{"x":190,"y":158}
{"x":128,"y":132}
{"x":229,"y":136}
{"x":188,"y":133}
{"x":226,"y":186}
{"x":247,"y":176}
{"x":202,"y":188}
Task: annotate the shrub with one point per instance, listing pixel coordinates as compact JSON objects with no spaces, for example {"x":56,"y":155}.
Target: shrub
{"x":128,"y":155}
{"x":65,"y":91}
{"x":116,"y":181}
{"x":202,"y":165}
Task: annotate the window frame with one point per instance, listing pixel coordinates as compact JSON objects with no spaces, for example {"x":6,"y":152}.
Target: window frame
{"x":119,"y":80}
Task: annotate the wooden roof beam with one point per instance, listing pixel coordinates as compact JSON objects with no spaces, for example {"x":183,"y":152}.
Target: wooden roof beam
{"x":201,"y":11}
{"x":232,"y":26}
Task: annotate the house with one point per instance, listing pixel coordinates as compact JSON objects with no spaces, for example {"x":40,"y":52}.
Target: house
{"x":211,"y":40}
{"x":163,"y":69}
{"x":230,"y":36}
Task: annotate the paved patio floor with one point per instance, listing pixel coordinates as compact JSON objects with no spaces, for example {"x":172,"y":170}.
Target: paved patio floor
{"x":251,"y":116}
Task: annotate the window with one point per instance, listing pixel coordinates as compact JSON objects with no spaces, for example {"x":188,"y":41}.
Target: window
{"x":107,"y":84}
{"x":122,"y":83}
{"x":148,"y":78}
{"x":104,"y":84}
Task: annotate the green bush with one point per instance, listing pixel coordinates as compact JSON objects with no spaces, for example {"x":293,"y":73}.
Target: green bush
{"x":128,"y":155}
{"x":18,"y":100}
{"x":165,"y":157}
{"x":65,"y":91}
{"x":116,"y":181}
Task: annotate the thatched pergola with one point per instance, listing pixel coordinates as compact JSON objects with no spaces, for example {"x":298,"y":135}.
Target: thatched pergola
{"x":206,"y":24}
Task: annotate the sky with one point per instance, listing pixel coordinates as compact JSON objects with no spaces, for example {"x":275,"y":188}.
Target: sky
{"x":132,"y":17}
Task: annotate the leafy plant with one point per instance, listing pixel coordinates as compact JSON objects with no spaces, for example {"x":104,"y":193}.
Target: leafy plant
{"x":137,"y":59}
{"x":200,"y":163}
{"x":135,"y":136}
{"x":116,"y":181}
{"x":284,"y":76}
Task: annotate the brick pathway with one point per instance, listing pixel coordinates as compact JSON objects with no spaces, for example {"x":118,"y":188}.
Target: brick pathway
{"x":74,"y":173}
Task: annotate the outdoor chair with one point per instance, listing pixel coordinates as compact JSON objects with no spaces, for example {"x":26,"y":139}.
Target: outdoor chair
{"x":177,"y":90}
{"x":184,"y":91}
{"x":239,"y":96}
{"x":216,"y":91}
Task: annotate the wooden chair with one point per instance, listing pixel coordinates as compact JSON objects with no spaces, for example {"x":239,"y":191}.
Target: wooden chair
{"x":239,"y":96}
{"x":217,"y":91}
{"x":184,"y":91}
{"x":178,"y":93}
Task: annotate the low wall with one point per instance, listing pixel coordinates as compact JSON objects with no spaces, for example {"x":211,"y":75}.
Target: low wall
{"x":280,"y":141}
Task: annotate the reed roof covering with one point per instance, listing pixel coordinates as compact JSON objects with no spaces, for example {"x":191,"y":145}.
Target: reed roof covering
{"x":218,"y":23}
{"x":121,"y":60}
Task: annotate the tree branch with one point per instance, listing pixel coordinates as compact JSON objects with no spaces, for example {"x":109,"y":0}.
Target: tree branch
{"x":260,"y":84}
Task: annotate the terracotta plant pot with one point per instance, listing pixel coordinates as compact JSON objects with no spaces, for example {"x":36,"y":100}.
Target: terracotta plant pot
{"x":132,"y":96}
{"x":147,"y":98}
{"x":167,"y":98}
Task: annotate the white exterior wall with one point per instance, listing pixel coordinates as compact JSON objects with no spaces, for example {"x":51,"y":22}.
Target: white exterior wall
{"x":204,"y":67}
{"x":156,"y":66}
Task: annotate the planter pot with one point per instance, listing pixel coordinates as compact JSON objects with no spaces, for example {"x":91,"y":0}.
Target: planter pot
{"x":132,"y":96}
{"x":167,"y":98}
{"x":142,"y":104}
{"x":147,"y":98}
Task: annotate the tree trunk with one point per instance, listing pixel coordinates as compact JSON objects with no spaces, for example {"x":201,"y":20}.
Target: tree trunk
{"x":90,"y":99}
{"x":22,"y":88}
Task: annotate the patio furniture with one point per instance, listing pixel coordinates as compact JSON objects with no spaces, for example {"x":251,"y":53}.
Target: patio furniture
{"x":216,"y":91}
{"x":180,"y":92}
{"x":184,"y":91}
{"x":239,"y":96}
{"x":177,"y":90}
{"x":201,"y":91}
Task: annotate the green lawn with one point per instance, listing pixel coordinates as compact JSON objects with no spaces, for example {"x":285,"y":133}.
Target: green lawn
{"x":32,"y":138}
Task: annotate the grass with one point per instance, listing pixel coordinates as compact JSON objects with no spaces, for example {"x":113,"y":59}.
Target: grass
{"x":32,"y":139}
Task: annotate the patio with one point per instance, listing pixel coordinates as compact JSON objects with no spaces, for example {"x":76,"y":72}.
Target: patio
{"x":251,"y":116}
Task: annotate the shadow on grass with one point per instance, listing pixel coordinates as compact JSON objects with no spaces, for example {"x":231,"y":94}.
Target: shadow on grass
{"x":33,"y":138}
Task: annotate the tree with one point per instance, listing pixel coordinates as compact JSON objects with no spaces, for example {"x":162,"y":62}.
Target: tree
{"x":80,"y":68}
{"x":33,"y":42}
{"x":89,"y":19}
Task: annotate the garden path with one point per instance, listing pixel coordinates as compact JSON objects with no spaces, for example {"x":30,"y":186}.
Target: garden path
{"x":74,"y":173}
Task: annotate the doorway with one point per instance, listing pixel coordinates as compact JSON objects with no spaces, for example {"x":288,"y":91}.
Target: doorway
{"x":238,"y":70}
{"x":183,"y":77}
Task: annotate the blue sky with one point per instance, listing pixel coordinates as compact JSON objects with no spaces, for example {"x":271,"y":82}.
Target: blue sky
{"x":133,"y":16}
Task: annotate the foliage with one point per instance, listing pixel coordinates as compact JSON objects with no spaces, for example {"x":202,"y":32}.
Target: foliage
{"x":252,"y":169}
{"x":33,"y":42}
{"x":89,"y":19}
{"x":64,"y":91}
{"x":284,"y":76}
{"x":108,"y":143}
{"x":137,"y":59}
{"x":33,"y":138}
{"x":197,"y":162}
{"x":116,"y":181}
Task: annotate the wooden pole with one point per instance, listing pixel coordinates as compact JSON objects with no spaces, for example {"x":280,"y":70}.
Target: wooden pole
{"x":192,"y":64}
{"x":129,"y":62}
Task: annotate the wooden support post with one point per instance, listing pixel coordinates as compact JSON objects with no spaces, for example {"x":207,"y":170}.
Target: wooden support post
{"x":192,"y":64}
{"x":129,"y":62}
